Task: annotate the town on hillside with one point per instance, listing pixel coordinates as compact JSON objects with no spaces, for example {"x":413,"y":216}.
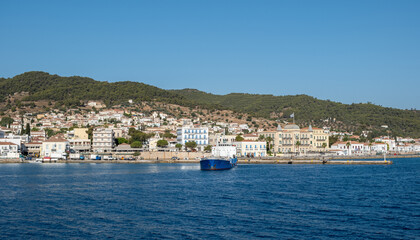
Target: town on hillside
{"x":114,"y":134}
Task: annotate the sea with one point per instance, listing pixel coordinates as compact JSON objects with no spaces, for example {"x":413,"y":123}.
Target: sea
{"x":178,"y":201}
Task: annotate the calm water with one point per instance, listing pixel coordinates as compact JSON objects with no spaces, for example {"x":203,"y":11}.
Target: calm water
{"x":181,"y":202}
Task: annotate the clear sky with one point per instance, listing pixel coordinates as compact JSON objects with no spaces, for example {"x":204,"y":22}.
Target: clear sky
{"x":346,"y":51}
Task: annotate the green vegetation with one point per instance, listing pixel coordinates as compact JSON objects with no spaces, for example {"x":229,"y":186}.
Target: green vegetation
{"x":136,"y":144}
{"x":208,"y":148}
{"x":309,"y":110}
{"x":121,"y":140}
{"x":75,"y":91}
{"x":168,"y":134}
{"x":71,"y":91}
{"x":191,"y":145}
{"x":239,"y":138}
{"x":162,"y":143}
{"x":138,"y":136}
{"x":28,"y":129}
{"x":6,"y":122}
{"x":178,"y":145}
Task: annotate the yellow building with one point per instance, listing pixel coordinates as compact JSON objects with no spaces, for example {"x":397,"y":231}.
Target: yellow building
{"x":292,"y":139}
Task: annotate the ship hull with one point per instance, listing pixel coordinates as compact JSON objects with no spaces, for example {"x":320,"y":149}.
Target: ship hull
{"x":217,"y":164}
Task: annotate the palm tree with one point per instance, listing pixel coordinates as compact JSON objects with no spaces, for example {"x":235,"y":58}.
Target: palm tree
{"x":269,"y":140}
{"x":324,"y":145}
{"x":297,"y":145}
{"x":348,"y":148}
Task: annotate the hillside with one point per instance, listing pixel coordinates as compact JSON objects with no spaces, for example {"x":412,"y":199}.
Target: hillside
{"x":73,"y":91}
{"x":43,"y":86}
{"x":353,"y":117}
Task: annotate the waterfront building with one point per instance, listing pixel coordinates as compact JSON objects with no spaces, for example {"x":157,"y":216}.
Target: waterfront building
{"x":389,"y":141}
{"x":9,"y":150}
{"x":379,"y":147}
{"x":200,"y":135}
{"x":292,"y":139}
{"x":250,"y":148}
{"x":34,"y":148}
{"x":55,"y":148}
{"x":80,"y":145}
{"x":351,"y":147}
{"x":103,"y":140}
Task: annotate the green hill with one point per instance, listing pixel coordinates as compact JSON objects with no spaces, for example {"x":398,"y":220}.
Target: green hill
{"x":43,"y":86}
{"x":354,"y":117}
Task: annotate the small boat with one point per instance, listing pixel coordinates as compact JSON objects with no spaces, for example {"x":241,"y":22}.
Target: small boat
{"x":223,"y":158}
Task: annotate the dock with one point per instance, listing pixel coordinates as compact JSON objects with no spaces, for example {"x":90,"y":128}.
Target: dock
{"x":334,"y":162}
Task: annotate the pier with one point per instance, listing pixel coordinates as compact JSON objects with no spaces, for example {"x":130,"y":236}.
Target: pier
{"x":296,"y":161}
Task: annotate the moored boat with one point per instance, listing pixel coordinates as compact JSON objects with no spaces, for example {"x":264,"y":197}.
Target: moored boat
{"x":223,"y":158}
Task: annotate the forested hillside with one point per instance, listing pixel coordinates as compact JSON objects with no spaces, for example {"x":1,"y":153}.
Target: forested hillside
{"x":355,"y":117}
{"x":43,"y":86}
{"x":363,"y":116}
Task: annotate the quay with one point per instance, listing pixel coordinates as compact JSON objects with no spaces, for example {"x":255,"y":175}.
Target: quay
{"x":240,"y":161}
{"x":296,"y":161}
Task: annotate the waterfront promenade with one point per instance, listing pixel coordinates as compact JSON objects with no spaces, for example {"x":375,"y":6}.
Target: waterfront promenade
{"x":350,"y":160}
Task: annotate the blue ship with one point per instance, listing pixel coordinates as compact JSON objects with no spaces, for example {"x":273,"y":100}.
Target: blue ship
{"x":223,"y":158}
{"x":218,"y":163}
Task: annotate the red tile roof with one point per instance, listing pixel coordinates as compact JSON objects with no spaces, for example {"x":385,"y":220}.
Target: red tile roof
{"x":7,"y":143}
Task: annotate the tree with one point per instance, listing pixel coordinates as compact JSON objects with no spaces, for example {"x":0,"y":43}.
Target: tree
{"x":90,"y":133}
{"x":208,"y":148}
{"x":6,"y":121}
{"x":179,"y":146}
{"x":49,"y":132}
{"x":162,"y":143}
{"x":136,"y":144}
{"x":348,"y":148}
{"x":121,"y":140}
{"x":191,"y":145}
{"x":28,"y":129}
{"x":333,"y":139}
{"x":168,"y":134}
{"x":297,"y":145}
{"x":269,"y":140}
{"x":239,"y":138}
{"x":324,"y":145}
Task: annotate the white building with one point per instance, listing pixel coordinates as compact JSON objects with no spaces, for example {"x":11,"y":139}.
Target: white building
{"x":379,"y":147}
{"x":9,"y":150}
{"x":354,"y":148}
{"x":103,"y":140}
{"x":200,"y":135}
{"x":55,"y":148}
{"x":251,"y":148}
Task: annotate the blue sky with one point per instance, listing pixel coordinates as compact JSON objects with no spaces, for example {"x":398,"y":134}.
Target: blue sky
{"x":346,"y":51}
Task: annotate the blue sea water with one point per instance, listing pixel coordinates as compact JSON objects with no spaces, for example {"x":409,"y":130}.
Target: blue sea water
{"x":178,"y":201}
